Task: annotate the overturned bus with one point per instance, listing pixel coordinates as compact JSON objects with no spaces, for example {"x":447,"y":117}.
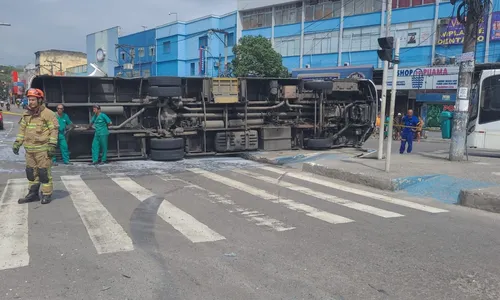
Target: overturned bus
{"x":168,"y":118}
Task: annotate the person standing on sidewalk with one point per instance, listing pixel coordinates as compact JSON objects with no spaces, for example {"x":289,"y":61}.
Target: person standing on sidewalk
{"x":64,"y":123}
{"x":410,"y":122}
{"x":100,"y":142}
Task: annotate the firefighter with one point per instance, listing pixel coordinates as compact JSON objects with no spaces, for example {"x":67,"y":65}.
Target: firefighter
{"x":64,"y":122}
{"x":38,"y":133}
{"x":100,"y":142}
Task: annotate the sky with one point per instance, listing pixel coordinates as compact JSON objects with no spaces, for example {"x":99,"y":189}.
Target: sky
{"x":64,"y":24}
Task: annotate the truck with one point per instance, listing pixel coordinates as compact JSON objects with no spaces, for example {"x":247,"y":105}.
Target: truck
{"x":166,"y":118}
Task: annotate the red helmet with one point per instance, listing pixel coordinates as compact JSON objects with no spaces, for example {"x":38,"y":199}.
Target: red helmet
{"x":35,"y":93}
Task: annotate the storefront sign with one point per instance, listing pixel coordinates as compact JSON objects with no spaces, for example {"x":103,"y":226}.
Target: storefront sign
{"x":495,"y":26}
{"x":454,"y":32}
{"x":432,"y":78}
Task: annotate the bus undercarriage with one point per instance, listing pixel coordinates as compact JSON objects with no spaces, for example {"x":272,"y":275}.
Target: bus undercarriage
{"x":168,"y":118}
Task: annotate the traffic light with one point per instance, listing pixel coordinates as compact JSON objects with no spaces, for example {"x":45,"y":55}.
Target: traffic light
{"x":387,"y":45}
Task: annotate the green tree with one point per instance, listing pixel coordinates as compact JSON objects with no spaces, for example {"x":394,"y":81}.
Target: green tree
{"x":255,"y":56}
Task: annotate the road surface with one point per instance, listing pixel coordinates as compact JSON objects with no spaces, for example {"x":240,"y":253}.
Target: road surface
{"x":233,"y":229}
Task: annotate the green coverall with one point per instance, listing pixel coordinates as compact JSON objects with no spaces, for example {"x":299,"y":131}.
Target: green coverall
{"x":100,"y":141}
{"x":64,"y":121}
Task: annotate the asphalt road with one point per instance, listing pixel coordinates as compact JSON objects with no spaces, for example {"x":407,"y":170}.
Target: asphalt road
{"x":233,"y":229}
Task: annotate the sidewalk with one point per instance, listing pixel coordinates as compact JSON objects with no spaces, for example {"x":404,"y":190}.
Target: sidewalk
{"x":474,"y":183}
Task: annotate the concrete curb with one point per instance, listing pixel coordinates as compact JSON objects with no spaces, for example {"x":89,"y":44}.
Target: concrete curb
{"x":261,"y":159}
{"x":487,"y":199}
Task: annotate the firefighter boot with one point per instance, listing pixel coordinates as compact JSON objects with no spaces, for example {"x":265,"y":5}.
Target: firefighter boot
{"x":32,"y":195}
{"x":46,"y":199}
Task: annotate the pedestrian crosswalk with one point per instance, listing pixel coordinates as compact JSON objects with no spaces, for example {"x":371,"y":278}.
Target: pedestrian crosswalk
{"x":196,"y":184}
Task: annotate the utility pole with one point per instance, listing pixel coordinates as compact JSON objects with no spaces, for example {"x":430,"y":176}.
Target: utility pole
{"x":395,"y":64}
{"x":225,"y":42}
{"x":466,"y":71}
{"x":380,"y":153}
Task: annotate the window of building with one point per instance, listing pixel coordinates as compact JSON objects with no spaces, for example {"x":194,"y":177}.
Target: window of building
{"x":166,"y":47}
{"x":140,"y":52}
{"x":351,"y":40}
{"x":122,"y":55}
{"x":203,"y":42}
{"x":230,"y":39}
{"x":413,"y":34}
{"x":287,"y":46}
{"x":193,"y":69}
{"x":257,"y":18}
{"x":410,"y":3}
{"x":322,"y":9}
{"x":288,"y":14}
{"x":152,"y":51}
{"x":369,"y":38}
{"x":321,"y":43}
{"x":146,"y":73}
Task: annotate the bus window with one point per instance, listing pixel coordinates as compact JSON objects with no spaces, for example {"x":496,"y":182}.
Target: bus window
{"x":490,"y":100}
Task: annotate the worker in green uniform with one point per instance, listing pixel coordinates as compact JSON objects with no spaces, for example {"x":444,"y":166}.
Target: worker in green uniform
{"x":100,"y":143}
{"x":64,"y":124}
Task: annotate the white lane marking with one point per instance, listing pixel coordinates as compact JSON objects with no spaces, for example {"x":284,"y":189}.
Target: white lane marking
{"x":330,"y":198}
{"x":290,"y":204}
{"x":13,"y":226}
{"x":183,"y":222}
{"x":6,"y":135}
{"x":104,"y":231}
{"x":258,"y":218}
{"x":307,"y":177}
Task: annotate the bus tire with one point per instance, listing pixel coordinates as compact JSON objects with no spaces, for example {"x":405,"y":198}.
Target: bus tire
{"x":165,"y":91}
{"x":167,"y":155}
{"x":165,"y":81}
{"x":167,"y":143}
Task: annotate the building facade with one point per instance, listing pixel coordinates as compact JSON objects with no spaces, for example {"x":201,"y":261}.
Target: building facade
{"x":196,"y":48}
{"x":321,"y":34}
{"x":192,"y":48}
{"x":325,"y":33}
{"x":101,"y":51}
{"x":136,"y":54}
{"x":56,"y":62}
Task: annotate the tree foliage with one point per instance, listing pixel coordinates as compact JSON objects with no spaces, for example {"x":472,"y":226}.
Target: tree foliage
{"x":255,"y":56}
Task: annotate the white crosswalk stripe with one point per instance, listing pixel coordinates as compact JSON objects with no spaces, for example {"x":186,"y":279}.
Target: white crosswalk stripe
{"x":330,"y":198}
{"x":191,"y":228}
{"x":310,"y":178}
{"x":109,"y":236}
{"x":252,"y":215}
{"x":13,"y":226}
{"x":291,"y":204}
{"x":106,"y":234}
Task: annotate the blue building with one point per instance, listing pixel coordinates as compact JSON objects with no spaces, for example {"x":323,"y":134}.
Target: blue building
{"x":197,"y":47}
{"x":192,"y":48}
{"x":321,"y":34}
{"x":136,"y":54}
{"x":101,"y":50}
{"x":325,"y":33}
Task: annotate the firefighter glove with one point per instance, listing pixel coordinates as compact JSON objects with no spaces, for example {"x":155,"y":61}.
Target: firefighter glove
{"x":51,"y":151}
{"x":15,"y":148}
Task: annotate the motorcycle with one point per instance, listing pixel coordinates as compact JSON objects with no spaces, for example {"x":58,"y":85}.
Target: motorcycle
{"x":7,"y":106}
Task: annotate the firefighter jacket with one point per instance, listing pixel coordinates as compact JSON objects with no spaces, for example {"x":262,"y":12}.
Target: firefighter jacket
{"x":38,"y":130}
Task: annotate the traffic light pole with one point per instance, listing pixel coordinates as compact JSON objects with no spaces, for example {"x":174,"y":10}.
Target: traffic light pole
{"x":466,"y":71}
{"x":395,"y":65}
{"x":383,"y":96}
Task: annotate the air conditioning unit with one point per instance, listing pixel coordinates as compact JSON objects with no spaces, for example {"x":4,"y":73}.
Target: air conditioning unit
{"x":308,"y":66}
{"x":346,"y":64}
